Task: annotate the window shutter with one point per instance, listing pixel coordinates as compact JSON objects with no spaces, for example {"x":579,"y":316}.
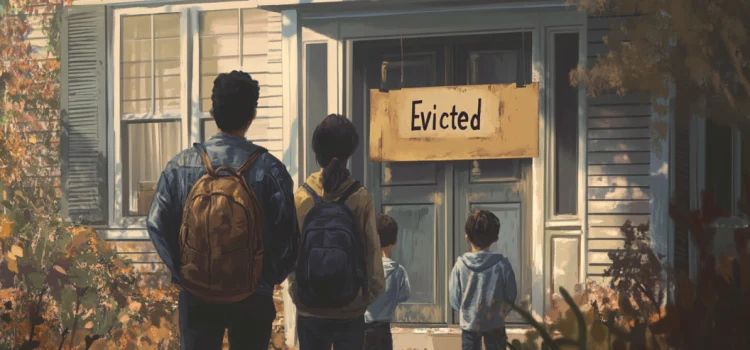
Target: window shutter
{"x":84,"y":114}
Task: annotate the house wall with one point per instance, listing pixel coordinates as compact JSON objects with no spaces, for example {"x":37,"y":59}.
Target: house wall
{"x":619,"y":159}
{"x":133,"y":243}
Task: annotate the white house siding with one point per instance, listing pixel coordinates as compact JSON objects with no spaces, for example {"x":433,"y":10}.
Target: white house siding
{"x":619,"y":147}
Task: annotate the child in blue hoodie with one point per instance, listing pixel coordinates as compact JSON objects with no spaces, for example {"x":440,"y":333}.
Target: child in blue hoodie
{"x":482,"y":284}
{"x":397,"y":290}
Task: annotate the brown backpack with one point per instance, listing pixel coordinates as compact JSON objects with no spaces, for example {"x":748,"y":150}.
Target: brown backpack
{"x":221,"y":238}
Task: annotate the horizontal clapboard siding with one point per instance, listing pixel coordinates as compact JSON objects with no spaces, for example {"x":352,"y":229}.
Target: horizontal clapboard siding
{"x":271,"y":93}
{"x":618,"y":147}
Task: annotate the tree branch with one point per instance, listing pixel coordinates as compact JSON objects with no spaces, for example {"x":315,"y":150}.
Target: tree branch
{"x":735,"y":62}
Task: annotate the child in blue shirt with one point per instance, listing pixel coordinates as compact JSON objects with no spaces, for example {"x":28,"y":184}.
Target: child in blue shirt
{"x":482,"y":284}
{"x":379,"y":314}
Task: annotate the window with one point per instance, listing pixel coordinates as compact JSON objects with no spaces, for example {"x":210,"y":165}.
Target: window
{"x":719,"y":155}
{"x":150,"y":104}
{"x":565,"y":165}
{"x":156,"y":58}
{"x":229,"y":41}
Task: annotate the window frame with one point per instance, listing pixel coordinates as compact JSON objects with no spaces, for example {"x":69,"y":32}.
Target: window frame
{"x":133,"y":227}
{"x":195,"y":77}
{"x":552,"y":220}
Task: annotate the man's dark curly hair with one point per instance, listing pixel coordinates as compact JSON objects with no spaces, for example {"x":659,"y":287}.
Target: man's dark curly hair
{"x":235,"y":100}
{"x":387,"y":229}
{"x":483,"y":228}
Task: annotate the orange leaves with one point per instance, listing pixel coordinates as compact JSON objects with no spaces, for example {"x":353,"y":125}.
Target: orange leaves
{"x":6,"y":227}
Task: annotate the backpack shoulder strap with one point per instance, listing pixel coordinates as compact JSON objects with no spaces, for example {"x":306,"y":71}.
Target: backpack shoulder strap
{"x":251,"y":160}
{"x":206,"y":160}
{"x":349,"y":192}
{"x":312,"y":193}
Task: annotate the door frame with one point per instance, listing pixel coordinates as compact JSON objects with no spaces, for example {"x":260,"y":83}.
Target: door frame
{"x":340,"y":31}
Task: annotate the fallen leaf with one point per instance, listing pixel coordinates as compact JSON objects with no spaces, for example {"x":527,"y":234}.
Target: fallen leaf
{"x":59,"y":269}
{"x":124,"y":318}
{"x":32,"y":139}
{"x":6,"y":227}
{"x":17,"y":251}
{"x":89,"y":325}
{"x":12,"y":265}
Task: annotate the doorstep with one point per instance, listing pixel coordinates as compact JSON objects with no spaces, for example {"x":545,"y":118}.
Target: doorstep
{"x":439,"y":338}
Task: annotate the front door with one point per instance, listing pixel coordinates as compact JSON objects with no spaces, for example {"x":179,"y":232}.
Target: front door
{"x":431,"y":200}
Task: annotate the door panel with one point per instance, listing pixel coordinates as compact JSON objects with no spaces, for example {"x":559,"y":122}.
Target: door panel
{"x":413,"y":193}
{"x":506,"y":197}
{"x":501,"y":186}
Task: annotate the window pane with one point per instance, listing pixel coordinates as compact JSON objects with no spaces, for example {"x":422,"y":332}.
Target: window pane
{"x":493,"y":67}
{"x":254,"y":33}
{"x":147,"y":147}
{"x":219,"y":22}
{"x":566,"y":125}
{"x":208,"y":129}
{"x":316,"y":99}
{"x":136,"y":27}
{"x":219,"y":44}
{"x":136,"y":83}
{"x":141,"y":34}
{"x":167,"y":25}
{"x":719,"y":164}
{"x":167,"y":49}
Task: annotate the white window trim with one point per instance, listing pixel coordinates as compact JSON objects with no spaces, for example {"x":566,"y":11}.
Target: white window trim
{"x":553,"y":221}
{"x":121,"y":226}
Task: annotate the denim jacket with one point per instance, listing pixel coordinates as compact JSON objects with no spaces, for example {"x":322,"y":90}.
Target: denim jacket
{"x":480,"y":288}
{"x":269,"y":179}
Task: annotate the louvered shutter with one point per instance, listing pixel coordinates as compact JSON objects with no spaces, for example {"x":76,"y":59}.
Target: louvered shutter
{"x":84,"y":114}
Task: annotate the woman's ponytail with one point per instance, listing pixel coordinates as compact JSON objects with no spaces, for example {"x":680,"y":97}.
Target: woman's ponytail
{"x":334,"y":175}
{"x":334,"y":141}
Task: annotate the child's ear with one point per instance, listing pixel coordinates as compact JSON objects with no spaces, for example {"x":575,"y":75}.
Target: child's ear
{"x":466,"y":237}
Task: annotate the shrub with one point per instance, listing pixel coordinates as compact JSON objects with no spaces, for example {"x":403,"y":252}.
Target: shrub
{"x":708,"y":313}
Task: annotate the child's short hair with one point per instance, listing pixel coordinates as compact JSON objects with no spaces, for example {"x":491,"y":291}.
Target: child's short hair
{"x":387,"y":230}
{"x":483,"y":228}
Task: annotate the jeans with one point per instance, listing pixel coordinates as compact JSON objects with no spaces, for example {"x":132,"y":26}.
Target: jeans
{"x":493,"y":340}
{"x":202,"y":324}
{"x":378,"y":336}
{"x":315,"y":333}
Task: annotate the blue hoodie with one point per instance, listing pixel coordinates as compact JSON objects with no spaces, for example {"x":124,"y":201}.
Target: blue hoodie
{"x":397,"y":290}
{"x":479,"y":283}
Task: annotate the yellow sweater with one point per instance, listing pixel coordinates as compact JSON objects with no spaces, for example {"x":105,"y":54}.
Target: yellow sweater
{"x":363,"y":208}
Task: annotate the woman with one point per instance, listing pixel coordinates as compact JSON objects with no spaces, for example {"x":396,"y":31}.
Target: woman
{"x":322,"y":324}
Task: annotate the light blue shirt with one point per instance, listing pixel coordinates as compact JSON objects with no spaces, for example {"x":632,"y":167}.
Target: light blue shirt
{"x":481,"y":284}
{"x":397,"y":290}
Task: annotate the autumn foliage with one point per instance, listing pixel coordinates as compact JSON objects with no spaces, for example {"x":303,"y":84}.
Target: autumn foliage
{"x":631,"y":313}
{"x":701,"y":47}
{"x":61,"y":286}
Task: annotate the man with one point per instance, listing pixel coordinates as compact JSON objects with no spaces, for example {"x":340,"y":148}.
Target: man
{"x":224,"y":222}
